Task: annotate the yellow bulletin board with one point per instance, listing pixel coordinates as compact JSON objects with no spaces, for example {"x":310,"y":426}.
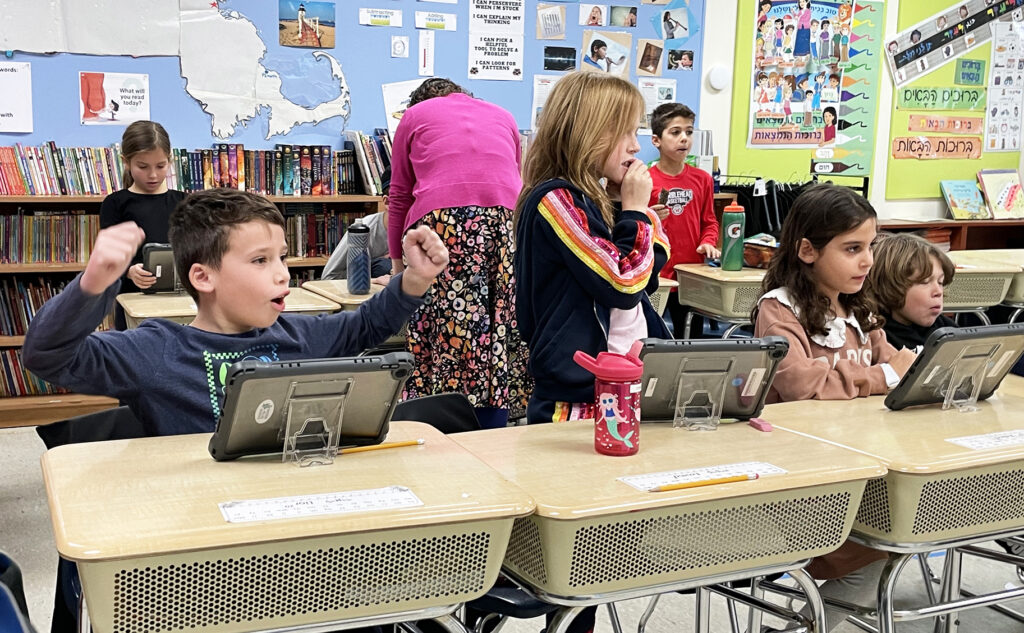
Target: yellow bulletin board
{"x":787,"y":165}
{"x":913,"y":178}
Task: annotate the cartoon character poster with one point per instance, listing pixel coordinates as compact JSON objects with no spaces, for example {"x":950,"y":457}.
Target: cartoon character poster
{"x":802,"y":49}
{"x":113,"y":98}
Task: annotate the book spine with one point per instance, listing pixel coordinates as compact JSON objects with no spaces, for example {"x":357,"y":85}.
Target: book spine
{"x":288,"y":182}
{"x":232,"y":166}
{"x":241,"y":167}
{"x":279,"y":172}
{"x":207,"y":165}
{"x":326,"y":169}
{"x":225,"y":167}
{"x":306,"y":171}
{"x":296,"y":171}
{"x":316,"y":177}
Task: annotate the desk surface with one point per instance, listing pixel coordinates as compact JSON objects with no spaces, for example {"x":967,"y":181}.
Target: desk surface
{"x":744,"y":275}
{"x":667,"y":283}
{"x":913,"y":440}
{"x":556,"y":464}
{"x":130,"y":498}
{"x":337,"y":290}
{"x":142,"y":306}
{"x":983,"y":262}
{"x":1013,"y":256}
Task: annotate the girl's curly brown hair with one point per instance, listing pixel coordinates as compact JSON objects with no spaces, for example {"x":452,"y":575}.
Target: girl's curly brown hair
{"x":818,"y":215}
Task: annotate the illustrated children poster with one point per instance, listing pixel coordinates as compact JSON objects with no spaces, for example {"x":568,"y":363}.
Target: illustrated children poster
{"x":945,"y":36}
{"x":1005,"y":88}
{"x":113,"y":98}
{"x":801,"y":50}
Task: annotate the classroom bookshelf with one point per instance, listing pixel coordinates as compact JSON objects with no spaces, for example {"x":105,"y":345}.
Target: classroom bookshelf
{"x":309,"y":246}
{"x":964,"y":234}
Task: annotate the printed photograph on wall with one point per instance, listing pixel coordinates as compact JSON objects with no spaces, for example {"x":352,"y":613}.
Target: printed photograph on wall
{"x":306,"y":24}
{"x":559,"y":58}
{"x":801,"y":50}
{"x":606,"y":51}
{"x":623,"y":16}
{"x":593,"y":15}
{"x":674,"y":23}
{"x":679,"y":59}
{"x":113,"y":98}
{"x":649,"y":54}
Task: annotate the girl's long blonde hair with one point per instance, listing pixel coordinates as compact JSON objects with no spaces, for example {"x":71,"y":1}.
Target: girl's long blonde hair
{"x":142,"y":136}
{"x":584,"y":117}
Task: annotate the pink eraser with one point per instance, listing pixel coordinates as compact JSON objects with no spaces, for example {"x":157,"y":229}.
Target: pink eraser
{"x":760,"y":425}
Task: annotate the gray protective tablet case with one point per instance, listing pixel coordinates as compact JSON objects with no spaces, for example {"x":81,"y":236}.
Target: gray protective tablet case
{"x":254,"y":415}
{"x":998,"y":347}
{"x":159,"y":260}
{"x":749,"y":364}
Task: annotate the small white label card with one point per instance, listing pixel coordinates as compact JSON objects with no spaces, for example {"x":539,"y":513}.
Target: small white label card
{"x":390,"y":498}
{"x":1001,"y":439}
{"x":435,"y":20}
{"x":380,"y":17}
{"x":669,"y":477}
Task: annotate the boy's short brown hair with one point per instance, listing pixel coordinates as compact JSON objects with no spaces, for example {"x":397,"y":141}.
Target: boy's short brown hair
{"x":201,"y":225}
{"x":664,"y":113}
{"x":902,"y":260}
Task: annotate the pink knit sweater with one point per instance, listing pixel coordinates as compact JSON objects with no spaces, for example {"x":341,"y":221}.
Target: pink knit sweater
{"x":453,"y":151}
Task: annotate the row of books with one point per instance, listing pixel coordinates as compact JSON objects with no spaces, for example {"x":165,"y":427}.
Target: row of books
{"x":16,"y":381}
{"x":315,"y":233}
{"x":996,"y":194}
{"x":20,"y":299}
{"x":48,"y":170}
{"x":307,"y":170}
{"x":29,"y":237}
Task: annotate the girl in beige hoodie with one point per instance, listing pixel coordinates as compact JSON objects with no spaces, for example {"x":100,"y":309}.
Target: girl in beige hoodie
{"x":837,"y":348}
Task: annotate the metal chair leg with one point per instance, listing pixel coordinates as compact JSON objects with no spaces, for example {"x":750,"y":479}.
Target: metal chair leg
{"x":886,"y":588}
{"x":613,"y":615}
{"x":951,"y":586}
{"x":648,"y":612}
{"x":563,"y":618}
{"x":814,"y":601}
{"x":734,"y":620}
{"x":702,"y":612}
{"x":755,"y":616}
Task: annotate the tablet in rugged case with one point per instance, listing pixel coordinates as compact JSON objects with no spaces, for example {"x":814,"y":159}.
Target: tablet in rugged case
{"x":159,"y":260}
{"x":748,"y":366}
{"x":994,"y":349}
{"x":254,"y":417}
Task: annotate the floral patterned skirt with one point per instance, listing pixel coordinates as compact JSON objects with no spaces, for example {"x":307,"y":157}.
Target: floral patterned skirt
{"x":464,"y":336}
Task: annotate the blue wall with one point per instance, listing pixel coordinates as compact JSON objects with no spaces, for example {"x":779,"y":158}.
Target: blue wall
{"x":364,"y":53}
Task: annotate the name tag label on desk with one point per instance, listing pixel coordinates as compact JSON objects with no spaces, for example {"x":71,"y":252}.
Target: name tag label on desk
{"x":669,"y":477}
{"x":390,"y":498}
{"x":989,"y":440}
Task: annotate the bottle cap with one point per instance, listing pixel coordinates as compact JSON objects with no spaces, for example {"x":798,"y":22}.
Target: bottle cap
{"x":612,"y":367}
{"x":359,"y":227}
{"x":733,"y":208}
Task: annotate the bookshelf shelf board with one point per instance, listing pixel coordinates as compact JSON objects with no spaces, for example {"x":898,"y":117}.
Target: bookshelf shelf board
{"x":306,"y":262}
{"x":276,"y":199}
{"x":29,"y":410}
{"x":43,"y":267}
{"x":12,"y":341}
{"x":966,"y":234}
{"x":45,"y":199}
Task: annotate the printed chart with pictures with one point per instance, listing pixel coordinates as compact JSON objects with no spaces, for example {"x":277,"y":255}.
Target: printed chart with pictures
{"x":1005,"y":88}
{"x":945,"y":36}
{"x":804,"y":57}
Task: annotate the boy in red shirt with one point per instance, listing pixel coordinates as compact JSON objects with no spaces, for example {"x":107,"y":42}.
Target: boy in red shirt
{"x":686,"y":207}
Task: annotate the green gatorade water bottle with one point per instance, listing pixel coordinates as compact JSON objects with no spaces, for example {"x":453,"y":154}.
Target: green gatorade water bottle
{"x":733,"y":218}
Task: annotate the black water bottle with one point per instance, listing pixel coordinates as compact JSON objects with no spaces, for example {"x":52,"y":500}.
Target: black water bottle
{"x":359,"y":259}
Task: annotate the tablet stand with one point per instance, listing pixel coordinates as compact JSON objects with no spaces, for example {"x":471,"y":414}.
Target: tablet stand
{"x":962,"y":387}
{"x":700,"y":395}
{"x":313,"y":423}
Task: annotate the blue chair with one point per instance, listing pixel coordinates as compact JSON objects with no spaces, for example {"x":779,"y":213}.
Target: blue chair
{"x":13,"y":607}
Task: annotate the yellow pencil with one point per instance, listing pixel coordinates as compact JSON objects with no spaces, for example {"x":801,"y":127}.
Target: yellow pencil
{"x":380,"y":447}
{"x":703,"y":482}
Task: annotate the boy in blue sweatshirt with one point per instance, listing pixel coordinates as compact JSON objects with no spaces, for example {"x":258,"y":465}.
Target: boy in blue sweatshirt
{"x":229,"y":252}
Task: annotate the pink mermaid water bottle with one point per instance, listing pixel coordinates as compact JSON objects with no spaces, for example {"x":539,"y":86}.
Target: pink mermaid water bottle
{"x":617,"y":400}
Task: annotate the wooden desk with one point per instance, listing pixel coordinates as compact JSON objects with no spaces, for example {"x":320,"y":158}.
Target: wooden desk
{"x":141,"y":519}
{"x":595,"y":539}
{"x":936,"y":494}
{"x":980,"y":282}
{"x":723,"y":295}
{"x":337,"y":290}
{"x":180,"y":308}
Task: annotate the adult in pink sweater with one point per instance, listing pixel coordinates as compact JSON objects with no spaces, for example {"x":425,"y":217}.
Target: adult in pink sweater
{"x":455,"y":168}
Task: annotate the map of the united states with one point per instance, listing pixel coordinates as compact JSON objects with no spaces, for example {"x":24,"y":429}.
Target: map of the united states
{"x":221,"y":53}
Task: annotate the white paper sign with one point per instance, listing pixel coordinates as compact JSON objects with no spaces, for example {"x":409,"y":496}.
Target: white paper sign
{"x":396,"y":97}
{"x":15,"y":97}
{"x":542,"y":85}
{"x":653,"y":480}
{"x":390,"y":498}
{"x":425,"y":57}
{"x":442,"y":1}
{"x":399,"y":45}
{"x":496,"y":16}
{"x":380,"y":17}
{"x":989,"y":440}
{"x":495,"y":56}
{"x":435,"y":20}
{"x":1005,"y":110}
{"x":113,"y":98}
{"x":655,"y":91}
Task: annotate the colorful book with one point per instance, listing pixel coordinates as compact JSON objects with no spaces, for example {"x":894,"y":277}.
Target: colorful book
{"x":306,"y":172}
{"x":316,"y":167}
{"x":1002,"y":192}
{"x":222,"y":154}
{"x":964,"y":200}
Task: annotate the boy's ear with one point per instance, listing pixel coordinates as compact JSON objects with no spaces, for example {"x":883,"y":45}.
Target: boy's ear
{"x":201,"y":278}
{"x":806,"y":251}
{"x":656,"y":141}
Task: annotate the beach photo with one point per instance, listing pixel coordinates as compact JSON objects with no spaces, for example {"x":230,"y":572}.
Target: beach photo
{"x":306,"y":24}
